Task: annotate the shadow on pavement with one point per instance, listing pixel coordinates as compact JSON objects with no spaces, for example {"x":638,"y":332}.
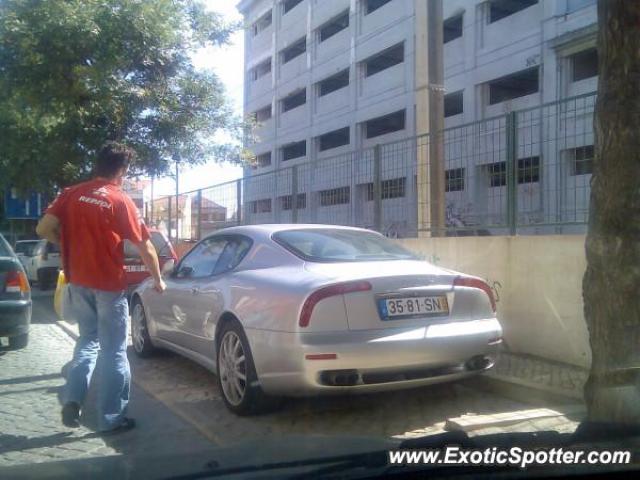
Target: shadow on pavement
{"x":9,"y":443}
{"x":38,"y":378}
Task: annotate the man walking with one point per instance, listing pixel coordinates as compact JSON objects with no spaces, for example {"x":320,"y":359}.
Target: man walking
{"x":90,"y":221}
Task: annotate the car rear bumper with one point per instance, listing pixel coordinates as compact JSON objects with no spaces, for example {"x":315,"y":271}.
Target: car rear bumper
{"x":373,"y":360}
{"x":15,"y":317}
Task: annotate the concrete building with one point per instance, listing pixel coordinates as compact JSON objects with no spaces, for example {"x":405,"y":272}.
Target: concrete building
{"x":326,"y":80}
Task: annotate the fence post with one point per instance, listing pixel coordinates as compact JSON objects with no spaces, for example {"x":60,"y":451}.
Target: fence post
{"x":512,"y":172}
{"x":169,"y":218}
{"x":199,"y":209}
{"x":239,"y":200}
{"x":294,"y":194}
{"x":377,"y":193}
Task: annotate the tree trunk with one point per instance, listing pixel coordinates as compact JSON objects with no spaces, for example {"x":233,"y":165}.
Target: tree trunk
{"x":611,"y":285}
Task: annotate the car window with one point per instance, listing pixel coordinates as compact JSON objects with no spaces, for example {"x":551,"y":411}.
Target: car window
{"x":233,"y":253}
{"x":202,"y":260}
{"x":27,"y":248}
{"x":5,"y":249}
{"x":53,"y":248}
{"x":336,"y":245}
{"x":157,"y":239}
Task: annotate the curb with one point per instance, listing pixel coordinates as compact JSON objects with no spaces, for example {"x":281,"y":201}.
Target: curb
{"x":526,"y":392}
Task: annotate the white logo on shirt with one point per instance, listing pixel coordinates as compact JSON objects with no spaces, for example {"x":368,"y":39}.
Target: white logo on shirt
{"x":94,"y":201}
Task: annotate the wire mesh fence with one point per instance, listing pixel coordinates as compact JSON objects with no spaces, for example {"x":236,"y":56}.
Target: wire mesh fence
{"x":526,"y":171}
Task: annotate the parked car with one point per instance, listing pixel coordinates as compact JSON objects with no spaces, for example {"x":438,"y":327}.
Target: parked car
{"x":286,"y":310}
{"x":41,"y":260}
{"x":135,"y":270}
{"x":15,"y":300}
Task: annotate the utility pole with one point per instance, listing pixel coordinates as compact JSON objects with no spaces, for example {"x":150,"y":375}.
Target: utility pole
{"x":177,"y":206}
{"x":435,"y":63}
{"x":151,"y":218}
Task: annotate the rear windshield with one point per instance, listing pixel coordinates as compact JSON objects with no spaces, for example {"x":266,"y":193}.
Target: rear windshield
{"x":27,"y":248}
{"x":5,"y":249}
{"x":158,"y":241}
{"x":337,"y":245}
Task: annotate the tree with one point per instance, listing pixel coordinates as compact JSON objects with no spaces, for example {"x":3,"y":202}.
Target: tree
{"x":74,"y":73}
{"x":611,"y":285}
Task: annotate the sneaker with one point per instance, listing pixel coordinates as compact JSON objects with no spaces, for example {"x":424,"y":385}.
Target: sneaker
{"x":126,"y":425}
{"x":71,"y":415}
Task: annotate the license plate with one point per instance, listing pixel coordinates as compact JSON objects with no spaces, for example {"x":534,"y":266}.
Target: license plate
{"x":135,"y":268}
{"x":4,"y":341}
{"x":391,"y":308}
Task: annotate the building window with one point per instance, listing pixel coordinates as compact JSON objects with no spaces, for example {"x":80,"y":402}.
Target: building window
{"x":452,"y":28}
{"x":453,"y":104}
{"x":287,"y":5}
{"x":499,"y":9}
{"x":334,"y":139}
{"x":580,"y":160}
{"x":373,"y":5}
{"x":294,"y":50}
{"x":334,"y":196}
{"x":285,"y":201}
{"x":263,"y":114}
{"x":261,"y":206}
{"x":516,"y":85}
{"x":386,"y":124}
{"x":294,"y":150}
{"x":393,"y":188}
{"x":262,"y":23}
{"x":584,"y":65}
{"x":261,"y":70}
{"x":294,"y":100}
{"x":454,"y":180}
{"x":497,"y":174}
{"x":383,"y":60}
{"x":334,"y":26}
{"x":529,"y":170}
{"x":333,"y":83}
{"x":262,"y":160}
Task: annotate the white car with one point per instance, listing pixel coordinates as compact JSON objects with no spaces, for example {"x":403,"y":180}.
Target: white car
{"x":41,"y":261}
{"x":316,"y":309}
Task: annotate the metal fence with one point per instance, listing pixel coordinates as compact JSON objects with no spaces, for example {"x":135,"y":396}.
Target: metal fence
{"x":527,"y":172}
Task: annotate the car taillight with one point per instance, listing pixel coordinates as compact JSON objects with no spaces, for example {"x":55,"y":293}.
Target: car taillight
{"x":16,"y":282}
{"x":476,"y":283}
{"x":326,"y":292}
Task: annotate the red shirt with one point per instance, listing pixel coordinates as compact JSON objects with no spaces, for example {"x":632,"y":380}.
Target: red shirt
{"x":95,"y":217}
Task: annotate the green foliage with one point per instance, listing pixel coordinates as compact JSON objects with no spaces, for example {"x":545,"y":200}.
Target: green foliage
{"x":74,"y":73}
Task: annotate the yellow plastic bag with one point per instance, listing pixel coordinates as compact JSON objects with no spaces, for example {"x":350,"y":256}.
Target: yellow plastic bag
{"x":58,"y":298}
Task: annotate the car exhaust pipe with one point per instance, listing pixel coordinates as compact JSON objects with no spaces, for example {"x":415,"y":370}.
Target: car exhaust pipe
{"x":345,"y":378}
{"x":479,"y":362}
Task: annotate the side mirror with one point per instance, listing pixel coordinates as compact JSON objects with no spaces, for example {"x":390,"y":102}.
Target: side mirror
{"x":168,"y":267}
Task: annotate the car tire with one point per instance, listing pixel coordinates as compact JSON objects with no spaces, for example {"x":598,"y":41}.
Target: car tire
{"x":142,"y":344}
{"x":241,"y":396}
{"x":19,"y":341}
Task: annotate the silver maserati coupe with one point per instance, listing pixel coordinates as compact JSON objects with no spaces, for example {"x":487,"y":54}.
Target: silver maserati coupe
{"x":291,"y":310}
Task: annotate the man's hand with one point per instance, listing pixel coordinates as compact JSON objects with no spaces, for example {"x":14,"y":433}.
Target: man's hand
{"x":150,"y":259}
{"x":159,"y":285}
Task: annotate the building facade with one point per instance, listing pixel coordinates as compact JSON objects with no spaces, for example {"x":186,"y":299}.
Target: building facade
{"x":328,"y":80}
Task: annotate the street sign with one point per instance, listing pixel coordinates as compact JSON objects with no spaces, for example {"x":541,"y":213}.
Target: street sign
{"x":21,"y":208}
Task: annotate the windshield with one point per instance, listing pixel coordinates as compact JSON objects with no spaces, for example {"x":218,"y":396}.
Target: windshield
{"x":27,"y":248}
{"x":375,"y":220}
{"x":336,"y":245}
{"x":157,"y":239}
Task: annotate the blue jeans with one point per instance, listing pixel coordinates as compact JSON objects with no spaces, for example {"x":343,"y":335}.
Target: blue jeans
{"x":102,"y":318}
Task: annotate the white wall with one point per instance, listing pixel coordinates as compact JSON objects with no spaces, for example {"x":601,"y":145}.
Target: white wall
{"x":537,"y":281}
